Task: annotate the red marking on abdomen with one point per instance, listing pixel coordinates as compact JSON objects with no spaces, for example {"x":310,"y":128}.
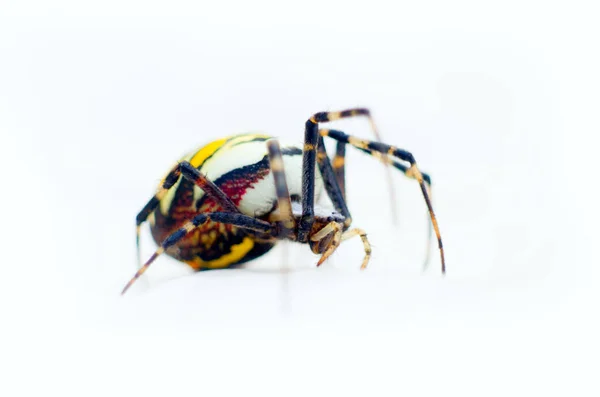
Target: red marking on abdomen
{"x":234,"y":186}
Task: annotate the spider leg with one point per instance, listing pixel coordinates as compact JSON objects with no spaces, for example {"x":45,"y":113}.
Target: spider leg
{"x":412,"y":171}
{"x":336,"y":193}
{"x":340,"y":151}
{"x":339,"y":168}
{"x":338,"y":160}
{"x":312,"y":140}
{"x":188,"y":171}
{"x":311,"y":136}
{"x":359,"y":232}
{"x":330,"y":180}
{"x":284,"y":203}
{"x":337,"y":198}
{"x":404,"y":169}
{"x":230,"y":218}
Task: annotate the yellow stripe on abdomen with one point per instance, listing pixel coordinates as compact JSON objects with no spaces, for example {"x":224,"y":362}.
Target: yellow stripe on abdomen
{"x":238,"y":251}
{"x":206,"y":151}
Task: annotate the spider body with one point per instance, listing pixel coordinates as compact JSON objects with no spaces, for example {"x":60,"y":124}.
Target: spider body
{"x":239,"y":166}
{"x":231,"y":200}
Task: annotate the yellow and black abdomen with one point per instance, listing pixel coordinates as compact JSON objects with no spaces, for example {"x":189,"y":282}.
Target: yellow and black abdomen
{"x":236,"y":165}
{"x":212,"y":245}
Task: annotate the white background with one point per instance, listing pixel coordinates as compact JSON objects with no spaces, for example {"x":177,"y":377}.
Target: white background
{"x":498,"y":101}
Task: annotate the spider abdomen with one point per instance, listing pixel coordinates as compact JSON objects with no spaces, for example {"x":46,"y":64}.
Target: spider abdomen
{"x":239,"y":166}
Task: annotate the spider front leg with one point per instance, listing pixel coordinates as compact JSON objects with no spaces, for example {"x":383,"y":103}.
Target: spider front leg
{"x":363,"y":236}
{"x":412,"y":171}
{"x":311,"y":135}
{"x":228,"y":218}
{"x":327,"y":239}
{"x":339,"y":171}
{"x":188,"y":171}
{"x":338,"y":160}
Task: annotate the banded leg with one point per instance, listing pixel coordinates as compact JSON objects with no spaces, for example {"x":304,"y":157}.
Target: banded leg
{"x":359,"y":232}
{"x":338,"y":172}
{"x":340,"y":150}
{"x":236,"y":219}
{"x":332,"y":187}
{"x":188,"y":171}
{"x":401,"y":167}
{"x":337,"y":198}
{"x":339,"y":168}
{"x":284,"y":202}
{"x":284,"y":205}
{"x":311,"y":134}
{"x":427,"y":179}
{"x":339,"y":161}
{"x":411,"y":172}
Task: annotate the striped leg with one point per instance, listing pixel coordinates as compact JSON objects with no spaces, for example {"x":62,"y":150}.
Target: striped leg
{"x":338,"y":161}
{"x":337,"y":198}
{"x":284,"y":203}
{"x":337,"y":194}
{"x":331,"y":183}
{"x":311,"y":136}
{"x":402,"y":168}
{"x":339,"y":168}
{"x":192,"y":174}
{"x":427,"y":179}
{"x":308,"y":163}
{"x":236,"y":219}
{"x":359,"y":232}
{"x":411,"y":172}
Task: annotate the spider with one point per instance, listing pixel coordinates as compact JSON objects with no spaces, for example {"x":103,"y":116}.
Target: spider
{"x":231,"y":200}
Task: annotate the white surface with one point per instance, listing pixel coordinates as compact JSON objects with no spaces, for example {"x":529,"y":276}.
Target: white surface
{"x":498,"y":103}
